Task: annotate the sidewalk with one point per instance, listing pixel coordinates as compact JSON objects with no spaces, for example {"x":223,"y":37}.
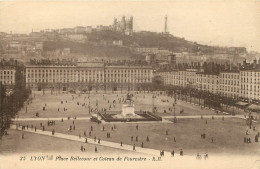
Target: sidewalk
{"x":52,"y":118}
{"x":205,"y":116}
{"x":164,"y":117}
{"x":102,"y":143}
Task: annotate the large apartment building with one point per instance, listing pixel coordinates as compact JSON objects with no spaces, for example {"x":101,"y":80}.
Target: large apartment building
{"x":87,"y":75}
{"x":207,"y":82}
{"x":7,"y":76}
{"x":233,"y":84}
{"x":250,"y":84}
{"x":229,"y":85}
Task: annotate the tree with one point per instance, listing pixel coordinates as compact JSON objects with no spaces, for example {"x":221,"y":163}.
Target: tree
{"x":157,"y":82}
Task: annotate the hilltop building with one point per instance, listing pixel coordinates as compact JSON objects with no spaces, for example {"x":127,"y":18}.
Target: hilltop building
{"x":125,"y":25}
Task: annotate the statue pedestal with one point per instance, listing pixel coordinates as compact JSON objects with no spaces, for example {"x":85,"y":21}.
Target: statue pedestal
{"x":128,"y":110}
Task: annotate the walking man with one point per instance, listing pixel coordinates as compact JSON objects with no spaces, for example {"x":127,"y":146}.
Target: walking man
{"x":172,"y":153}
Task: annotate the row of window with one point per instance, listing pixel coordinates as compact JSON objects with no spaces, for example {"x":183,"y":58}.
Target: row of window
{"x":6,"y":77}
{"x":108,"y":71}
{"x":229,"y":76}
{"x":257,"y":74}
{"x":90,"y":80}
{"x":6,"y":72}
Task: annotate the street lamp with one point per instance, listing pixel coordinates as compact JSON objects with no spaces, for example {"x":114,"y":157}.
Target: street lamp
{"x":89,"y":101}
{"x":153,"y":103}
{"x":175,"y":119}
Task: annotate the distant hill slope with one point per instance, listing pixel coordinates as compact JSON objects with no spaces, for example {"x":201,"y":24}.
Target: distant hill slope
{"x":100,"y":44}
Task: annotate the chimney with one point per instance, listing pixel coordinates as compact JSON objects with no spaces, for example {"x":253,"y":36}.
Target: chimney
{"x":254,"y":64}
{"x":238,"y":66}
{"x":244,"y":63}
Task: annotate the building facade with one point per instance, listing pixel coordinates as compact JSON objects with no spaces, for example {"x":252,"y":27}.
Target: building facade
{"x":229,"y":85}
{"x":250,"y":84}
{"x":7,"y":76}
{"x":87,"y":76}
{"x":207,"y":82}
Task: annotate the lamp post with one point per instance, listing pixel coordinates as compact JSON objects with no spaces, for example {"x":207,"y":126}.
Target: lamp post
{"x":97,"y":107}
{"x":175,"y":119}
{"x":153,"y":103}
{"x":89,"y":101}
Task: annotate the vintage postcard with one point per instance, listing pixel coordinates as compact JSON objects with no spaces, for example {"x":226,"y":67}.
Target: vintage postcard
{"x":130,"y":84}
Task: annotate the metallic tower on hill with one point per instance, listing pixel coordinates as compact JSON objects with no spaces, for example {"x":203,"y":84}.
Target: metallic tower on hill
{"x":165,"y":24}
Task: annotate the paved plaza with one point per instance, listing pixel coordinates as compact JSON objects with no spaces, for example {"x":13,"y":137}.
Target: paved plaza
{"x":224,"y":133}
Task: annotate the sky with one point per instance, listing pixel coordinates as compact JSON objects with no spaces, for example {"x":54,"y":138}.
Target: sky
{"x":211,"y":22}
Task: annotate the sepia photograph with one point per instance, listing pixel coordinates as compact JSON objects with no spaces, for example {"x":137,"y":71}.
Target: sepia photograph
{"x":130,"y":84}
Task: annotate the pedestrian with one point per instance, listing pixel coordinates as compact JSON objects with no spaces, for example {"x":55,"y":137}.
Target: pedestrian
{"x":132,"y":138}
{"x":206,"y":156}
{"x":86,"y":140}
{"x":43,"y":128}
{"x":172,"y":153}
{"x":23,"y":136}
{"x":181,"y":152}
{"x":142,"y":145}
{"x":81,"y":148}
{"x":79,"y":136}
{"x":198,"y":156}
{"x":74,"y":127}
{"x":89,"y":133}
{"x":136,"y":139}
{"x":147,"y":139}
{"x":35,"y":128}
{"x":95,"y":149}
{"x":98,"y":140}
{"x":61,"y":119}
{"x":53,"y":132}
{"x":134,"y":147}
{"x":121,"y":144}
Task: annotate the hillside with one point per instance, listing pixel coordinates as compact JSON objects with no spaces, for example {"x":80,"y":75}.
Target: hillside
{"x":100,"y":43}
